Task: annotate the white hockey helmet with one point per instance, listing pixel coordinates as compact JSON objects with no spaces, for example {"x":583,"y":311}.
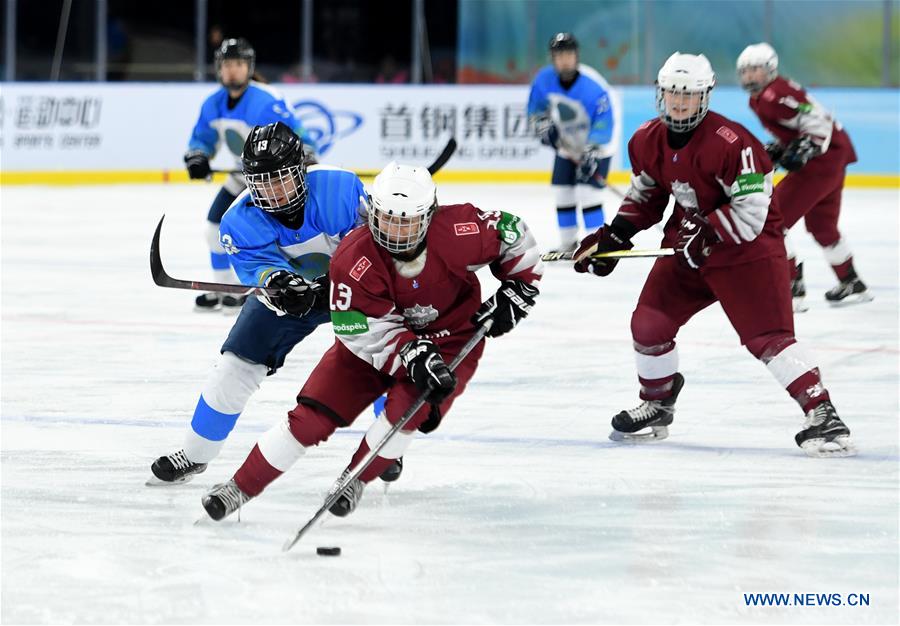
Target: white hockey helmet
{"x":401,"y":204}
{"x":756,"y":56}
{"x":682,"y":75}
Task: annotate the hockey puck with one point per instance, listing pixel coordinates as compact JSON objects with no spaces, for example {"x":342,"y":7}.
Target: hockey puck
{"x":328,"y":551}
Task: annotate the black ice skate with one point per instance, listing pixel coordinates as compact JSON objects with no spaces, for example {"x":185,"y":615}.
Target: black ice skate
{"x":208,"y":302}
{"x":655,"y":415}
{"x":224,"y":500}
{"x":346,"y":503}
{"x":851,"y":290}
{"x":174,"y":469}
{"x":393,"y":472}
{"x":824,"y":434}
{"x":232,"y":304}
{"x":798,"y":291}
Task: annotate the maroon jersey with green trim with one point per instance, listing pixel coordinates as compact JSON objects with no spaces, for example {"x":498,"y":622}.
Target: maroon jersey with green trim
{"x":723,"y":173}
{"x":378,"y":304}
{"x":787,"y":111}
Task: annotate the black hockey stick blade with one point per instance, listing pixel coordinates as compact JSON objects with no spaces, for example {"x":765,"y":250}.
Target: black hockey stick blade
{"x":615,"y":254}
{"x":161,"y":278}
{"x":443,"y":157}
{"x":403,"y":421}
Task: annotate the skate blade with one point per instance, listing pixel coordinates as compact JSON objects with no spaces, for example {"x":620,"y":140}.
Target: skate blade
{"x":821,"y":449}
{"x":155,"y":482}
{"x":800,"y":305}
{"x":857,"y":298}
{"x":656,"y":433}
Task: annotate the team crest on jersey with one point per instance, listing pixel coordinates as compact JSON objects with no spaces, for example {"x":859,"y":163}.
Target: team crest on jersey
{"x":419,"y":316}
{"x":727,"y":134}
{"x":360,"y":268}
{"x":685,"y":195}
{"x":466,"y":228}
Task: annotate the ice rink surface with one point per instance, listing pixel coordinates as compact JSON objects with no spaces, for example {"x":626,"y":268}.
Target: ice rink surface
{"x":518,"y":510}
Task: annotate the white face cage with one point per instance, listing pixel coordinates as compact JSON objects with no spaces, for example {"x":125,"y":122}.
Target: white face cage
{"x":684,"y":99}
{"x":396,"y":232}
{"x":282,"y":191}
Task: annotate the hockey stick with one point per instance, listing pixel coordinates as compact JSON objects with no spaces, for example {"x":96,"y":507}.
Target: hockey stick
{"x":433,"y":169}
{"x":161,"y":278}
{"x":615,"y":254}
{"x":403,"y":421}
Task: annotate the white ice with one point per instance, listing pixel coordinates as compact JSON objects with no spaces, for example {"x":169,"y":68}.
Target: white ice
{"x":518,"y":510}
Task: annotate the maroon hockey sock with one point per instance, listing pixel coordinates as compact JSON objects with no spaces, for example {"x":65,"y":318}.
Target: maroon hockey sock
{"x":256,"y":473}
{"x":844,"y":270}
{"x":657,"y":388}
{"x":808,"y":390}
{"x":376,"y":467}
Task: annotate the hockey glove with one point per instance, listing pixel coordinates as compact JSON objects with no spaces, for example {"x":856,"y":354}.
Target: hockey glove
{"x":798,"y":152}
{"x":507,"y":307}
{"x":774,"y":150}
{"x":426,"y":369}
{"x":296,"y":295}
{"x":695,"y":239}
{"x":606,"y":239}
{"x":197,"y":163}
{"x":546,"y":131}
{"x":591,"y":159}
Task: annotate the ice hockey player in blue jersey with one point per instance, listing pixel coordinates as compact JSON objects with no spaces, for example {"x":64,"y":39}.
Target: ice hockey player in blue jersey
{"x":571,"y":109}
{"x":226,"y":118}
{"x":280,"y":234}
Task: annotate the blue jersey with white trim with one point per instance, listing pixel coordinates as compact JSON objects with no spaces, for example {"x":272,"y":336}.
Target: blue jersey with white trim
{"x":220,"y":126}
{"x":258,"y":244}
{"x":588,"y":100}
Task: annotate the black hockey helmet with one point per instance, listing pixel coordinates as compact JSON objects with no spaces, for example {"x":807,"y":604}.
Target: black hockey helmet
{"x":238,"y":48}
{"x":563,"y":41}
{"x":274,"y":167}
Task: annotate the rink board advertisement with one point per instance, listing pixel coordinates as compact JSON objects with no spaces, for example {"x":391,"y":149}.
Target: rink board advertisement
{"x":102,"y":132}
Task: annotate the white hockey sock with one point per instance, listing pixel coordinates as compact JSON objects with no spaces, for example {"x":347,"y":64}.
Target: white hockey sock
{"x":398,"y":444}
{"x":279,"y":446}
{"x":655,"y":367}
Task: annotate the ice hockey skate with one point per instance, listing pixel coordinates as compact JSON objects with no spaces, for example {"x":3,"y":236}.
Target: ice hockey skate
{"x":208,"y":302}
{"x":348,"y":500}
{"x":393,"y":471}
{"x":174,"y":469}
{"x":798,"y":291}
{"x":648,"y":421}
{"x":851,"y":290}
{"x":824,"y":434}
{"x":231,"y":305}
{"x":224,"y":499}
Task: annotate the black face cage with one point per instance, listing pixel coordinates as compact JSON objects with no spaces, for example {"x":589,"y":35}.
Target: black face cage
{"x":280,"y":192}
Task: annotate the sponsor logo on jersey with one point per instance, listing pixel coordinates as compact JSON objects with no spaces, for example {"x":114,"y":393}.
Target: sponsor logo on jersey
{"x":727,"y":134}
{"x":360,"y":268}
{"x":509,"y":228}
{"x":419,"y":316}
{"x":748,"y":183}
{"x":466,"y":228}
{"x":349,"y":323}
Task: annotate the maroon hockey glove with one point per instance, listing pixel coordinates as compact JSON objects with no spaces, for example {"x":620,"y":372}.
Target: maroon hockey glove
{"x":426,"y":369}
{"x":507,"y":307}
{"x":296,"y":295}
{"x":606,"y":240}
{"x":695,"y":238}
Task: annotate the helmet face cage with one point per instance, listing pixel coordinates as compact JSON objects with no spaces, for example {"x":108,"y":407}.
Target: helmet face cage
{"x":755,"y":85}
{"x":397,"y":232}
{"x":688,"y":123}
{"x":280,"y":192}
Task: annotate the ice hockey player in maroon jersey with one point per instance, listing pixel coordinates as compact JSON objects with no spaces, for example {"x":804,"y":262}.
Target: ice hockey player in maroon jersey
{"x":404,"y":301}
{"x":727,"y":234}
{"x":815,"y":150}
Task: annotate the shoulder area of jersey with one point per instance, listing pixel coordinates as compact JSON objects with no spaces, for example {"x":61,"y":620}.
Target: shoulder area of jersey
{"x":261,"y":89}
{"x":545,"y":73}
{"x":724,"y":129}
{"x":356,"y":254}
{"x":594,"y":75}
{"x":647,"y":128}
